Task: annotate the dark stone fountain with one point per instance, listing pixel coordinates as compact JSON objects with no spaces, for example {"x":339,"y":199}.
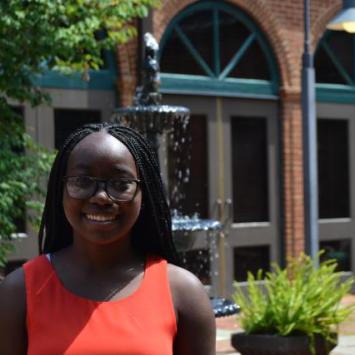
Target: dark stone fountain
{"x":147,"y":115}
{"x":151,"y":118}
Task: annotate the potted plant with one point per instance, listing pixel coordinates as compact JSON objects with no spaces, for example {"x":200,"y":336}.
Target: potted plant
{"x":295,"y":311}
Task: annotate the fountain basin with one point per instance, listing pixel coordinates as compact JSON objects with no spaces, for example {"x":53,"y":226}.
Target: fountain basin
{"x":151,"y":118}
{"x":187,"y":231}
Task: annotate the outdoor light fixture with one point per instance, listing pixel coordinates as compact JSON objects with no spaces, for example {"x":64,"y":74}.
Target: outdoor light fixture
{"x":345,"y":19}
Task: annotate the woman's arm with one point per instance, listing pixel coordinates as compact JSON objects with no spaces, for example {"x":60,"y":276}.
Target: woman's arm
{"x":196,"y":327}
{"x":13,"y":335}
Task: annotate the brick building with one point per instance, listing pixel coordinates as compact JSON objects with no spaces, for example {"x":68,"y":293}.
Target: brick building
{"x":237,"y":65}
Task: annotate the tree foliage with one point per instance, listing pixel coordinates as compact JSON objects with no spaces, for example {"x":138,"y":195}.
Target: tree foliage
{"x":37,"y":36}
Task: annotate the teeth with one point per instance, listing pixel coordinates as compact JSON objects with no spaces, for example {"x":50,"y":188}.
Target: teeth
{"x":100,"y":218}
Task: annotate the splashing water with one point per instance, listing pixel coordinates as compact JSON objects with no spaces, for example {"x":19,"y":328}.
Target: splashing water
{"x":151,"y":119}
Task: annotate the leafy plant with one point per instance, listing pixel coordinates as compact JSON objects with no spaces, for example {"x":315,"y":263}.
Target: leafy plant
{"x":300,"y":299}
{"x":24,"y":167}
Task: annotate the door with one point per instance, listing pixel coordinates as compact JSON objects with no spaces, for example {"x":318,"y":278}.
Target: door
{"x":242,"y":177}
{"x":336,"y":153}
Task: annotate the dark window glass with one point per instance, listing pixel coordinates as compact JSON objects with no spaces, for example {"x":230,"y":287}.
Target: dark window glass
{"x":232,"y":34}
{"x":188,"y":168}
{"x":177,"y":59}
{"x":250,"y":170}
{"x":341,"y":44}
{"x":20,"y":221}
{"x":106,"y":55}
{"x":197,"y":261}
{"x":250,"y":259}
{"x":198,"y":28}
{"x":340,"y":250}
{"x":19,"y":147}
{"x":333,"y":168}
{"x":201,"y":32}
{"x":252,"y":65}
{"x":326,"y":71}
{"x":66,"y":121}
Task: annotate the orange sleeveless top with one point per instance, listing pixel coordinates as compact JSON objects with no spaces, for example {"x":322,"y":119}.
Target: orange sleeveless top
{"x":59,"y":322}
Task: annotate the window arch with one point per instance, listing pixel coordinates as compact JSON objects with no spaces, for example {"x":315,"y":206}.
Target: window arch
{"x":214,"y":48}
{"x":334,"y":63}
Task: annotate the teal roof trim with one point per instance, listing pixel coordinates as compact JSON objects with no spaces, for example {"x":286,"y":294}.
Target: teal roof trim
{"x":341,"y":94}
{"x":104,"y":79}
{"x":99,"y":80}
{"x":193,"y":84}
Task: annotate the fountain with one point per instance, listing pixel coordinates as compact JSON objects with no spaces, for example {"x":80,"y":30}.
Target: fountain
{"x":152,"y":119}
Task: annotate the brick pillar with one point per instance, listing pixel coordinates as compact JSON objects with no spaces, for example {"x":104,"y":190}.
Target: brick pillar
{"x":293,"y":233}
{"x":127,"y":57}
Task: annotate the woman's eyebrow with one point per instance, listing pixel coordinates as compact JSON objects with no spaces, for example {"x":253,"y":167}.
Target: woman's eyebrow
{"x":116,"y":169}
{"x":121,"y":170}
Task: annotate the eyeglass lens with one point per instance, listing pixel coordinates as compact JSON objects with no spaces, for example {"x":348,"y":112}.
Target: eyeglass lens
{"x":82,"y":187}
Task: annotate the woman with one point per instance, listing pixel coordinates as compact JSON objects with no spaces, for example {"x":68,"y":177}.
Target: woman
{"x":106,"y":280}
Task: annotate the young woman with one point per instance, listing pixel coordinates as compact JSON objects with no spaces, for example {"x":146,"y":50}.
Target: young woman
{"x":106,"y":280}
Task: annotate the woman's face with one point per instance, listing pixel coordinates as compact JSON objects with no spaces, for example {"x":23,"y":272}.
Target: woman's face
{"x":98,"y":218}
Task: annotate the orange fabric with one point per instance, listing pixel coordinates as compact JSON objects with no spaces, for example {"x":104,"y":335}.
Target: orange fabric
{"x":59,"y":322}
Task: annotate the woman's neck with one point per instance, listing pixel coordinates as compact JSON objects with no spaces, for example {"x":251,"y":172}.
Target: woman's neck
{"x":103,"y":257}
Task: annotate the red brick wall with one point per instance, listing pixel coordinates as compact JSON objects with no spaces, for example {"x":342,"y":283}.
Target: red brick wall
{"x":282,"y":23}
{"x":127,"y":59}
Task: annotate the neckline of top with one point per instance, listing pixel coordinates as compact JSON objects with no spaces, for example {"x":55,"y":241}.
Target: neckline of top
{"x":129,"y":297}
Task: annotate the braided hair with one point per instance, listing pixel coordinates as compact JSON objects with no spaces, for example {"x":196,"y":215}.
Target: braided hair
{"x":151,"y":234}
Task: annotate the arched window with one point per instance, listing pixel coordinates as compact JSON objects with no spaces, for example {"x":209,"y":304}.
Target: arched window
{"x":335,"y":67}
{"x":214,"y":48}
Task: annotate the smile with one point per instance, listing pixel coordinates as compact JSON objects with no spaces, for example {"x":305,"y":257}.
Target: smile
{"x":100,"y":218}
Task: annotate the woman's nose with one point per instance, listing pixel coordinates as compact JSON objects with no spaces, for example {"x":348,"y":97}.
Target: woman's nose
{"x":101,"y":196}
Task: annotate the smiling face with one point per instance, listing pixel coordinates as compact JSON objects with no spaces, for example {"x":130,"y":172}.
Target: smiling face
{"x":99,"y":219}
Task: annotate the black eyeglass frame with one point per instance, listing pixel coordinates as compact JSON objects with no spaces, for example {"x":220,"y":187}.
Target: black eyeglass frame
{"x":102,"y":182}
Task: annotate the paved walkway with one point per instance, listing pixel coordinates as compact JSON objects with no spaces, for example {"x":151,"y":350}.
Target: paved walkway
{"x":346,"y":344}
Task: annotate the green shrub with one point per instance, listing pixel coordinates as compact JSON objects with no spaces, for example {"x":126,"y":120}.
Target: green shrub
{"x":300,"y":299}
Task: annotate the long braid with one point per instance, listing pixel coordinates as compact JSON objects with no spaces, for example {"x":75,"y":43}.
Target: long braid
{"x":155,"y":217}
{"x":55,"y":231}
{"x":152,"y":231}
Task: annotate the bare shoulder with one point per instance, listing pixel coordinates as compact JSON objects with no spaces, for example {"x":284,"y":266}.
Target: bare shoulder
{"x":13,"y":313}
{"x":195,"y":319}
{"x":180,"y":280}
{"x":12,"y":289}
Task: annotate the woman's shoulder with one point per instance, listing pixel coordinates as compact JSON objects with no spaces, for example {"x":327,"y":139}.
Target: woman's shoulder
{"x":13,"y":313}
{"x":180,"y":278}
{"x":12,"y":289}
{"x":186,"y":290}
{"x":194,"y":315}
{"x":13,"y":297}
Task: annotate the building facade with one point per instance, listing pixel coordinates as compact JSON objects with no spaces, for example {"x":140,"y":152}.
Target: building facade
{"x":237,"y":65}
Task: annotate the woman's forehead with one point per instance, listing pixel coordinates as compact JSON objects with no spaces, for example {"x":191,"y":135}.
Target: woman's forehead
{"x":100,"y":148}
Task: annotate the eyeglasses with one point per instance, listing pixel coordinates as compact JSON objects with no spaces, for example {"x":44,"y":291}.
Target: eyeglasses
{"x":83,"y":187}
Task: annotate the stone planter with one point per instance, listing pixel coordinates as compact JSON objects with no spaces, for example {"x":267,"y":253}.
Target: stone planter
{"x":265,"y":344}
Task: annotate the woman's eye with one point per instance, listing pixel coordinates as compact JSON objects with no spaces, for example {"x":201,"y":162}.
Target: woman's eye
{"x":82,"y":182}
{"x":121,"y":185}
